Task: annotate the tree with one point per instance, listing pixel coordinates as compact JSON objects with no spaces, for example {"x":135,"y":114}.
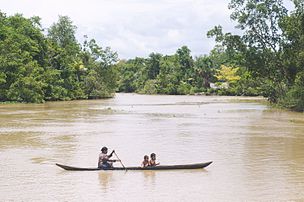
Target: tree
{"x":63,"y":52}
{"x":63,"y":34}
{"x":101,"y":77}
{"x":293,"y":30}
{"x":260,"y":21}
{"x":204,"y":71}
{"x":22,"y":50}
{"x":227,"y":74}
{"x":261,"y":45}
{"x":38,"y":68}
{"x":132,"y":77}
{"x":186,"y":62}
{"x":295,"y":96}
{"x":153,"y":65}
{"x":168,"y":78}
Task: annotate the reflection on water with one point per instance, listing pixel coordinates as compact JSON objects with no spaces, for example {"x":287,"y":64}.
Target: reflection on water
{"x":257,"y":152}
{"x":104,"y":179}
{"x":149,"y":177}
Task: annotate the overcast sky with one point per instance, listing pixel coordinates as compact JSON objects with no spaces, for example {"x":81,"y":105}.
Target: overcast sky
{"x":134,"y":27}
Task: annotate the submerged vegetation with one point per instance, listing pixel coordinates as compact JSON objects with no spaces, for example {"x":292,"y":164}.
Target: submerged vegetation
{"x":267,"y":59}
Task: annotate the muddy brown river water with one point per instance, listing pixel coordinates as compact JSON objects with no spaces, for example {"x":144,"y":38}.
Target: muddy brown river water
{"x":257,"y":151}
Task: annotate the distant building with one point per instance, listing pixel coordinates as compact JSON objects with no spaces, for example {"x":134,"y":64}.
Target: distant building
{"x":223,"y":85}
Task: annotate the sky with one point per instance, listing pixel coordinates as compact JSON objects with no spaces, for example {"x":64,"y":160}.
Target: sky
{"x":134,"y":27}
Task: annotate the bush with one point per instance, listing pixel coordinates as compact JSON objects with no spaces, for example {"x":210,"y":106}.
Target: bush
{"x":26,"y":89}
{"x":294,"y":98}
{"x":150,"y":87}
{"x":184,"y":88}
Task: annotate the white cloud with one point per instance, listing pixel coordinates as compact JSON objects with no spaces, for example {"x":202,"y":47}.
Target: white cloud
{"x":134,"y":27}
{"x":174,"y":35}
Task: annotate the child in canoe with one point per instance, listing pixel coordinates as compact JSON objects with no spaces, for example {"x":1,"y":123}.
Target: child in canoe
{"x":153,"y":160}
{"x":145,"y":162}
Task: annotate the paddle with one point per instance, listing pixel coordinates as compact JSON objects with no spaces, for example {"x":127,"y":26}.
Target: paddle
{"x":119,"y":160}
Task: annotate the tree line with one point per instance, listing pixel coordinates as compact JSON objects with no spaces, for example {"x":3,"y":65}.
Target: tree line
{"x":267,"y":59}
{"x":38,"y":64}
{"x":181,"y":74}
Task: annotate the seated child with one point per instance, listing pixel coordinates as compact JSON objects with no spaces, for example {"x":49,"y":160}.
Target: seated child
{"x":153,"y":160}
{"x":146,"y":162}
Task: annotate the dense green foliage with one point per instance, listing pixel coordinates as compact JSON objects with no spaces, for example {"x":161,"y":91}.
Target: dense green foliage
{"x":175,"y":74}
{"x":266,"y":59}
{"x":271,"y":47}
{"x":35,"y":67}
{"x":181,"y":74}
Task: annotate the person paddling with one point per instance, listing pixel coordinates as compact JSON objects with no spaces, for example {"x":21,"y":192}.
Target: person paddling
{"x":153,"y":160}
{"x":104,"y":160}
{"x":145,"y":162}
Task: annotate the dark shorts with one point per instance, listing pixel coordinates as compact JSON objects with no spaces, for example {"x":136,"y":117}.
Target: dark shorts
{"x":105,"y":166}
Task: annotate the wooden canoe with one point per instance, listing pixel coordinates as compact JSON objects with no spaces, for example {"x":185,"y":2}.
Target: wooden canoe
{"x":161,"y":167}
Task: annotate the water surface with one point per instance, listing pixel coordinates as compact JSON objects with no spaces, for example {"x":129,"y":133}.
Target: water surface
{"x":257,"y":152}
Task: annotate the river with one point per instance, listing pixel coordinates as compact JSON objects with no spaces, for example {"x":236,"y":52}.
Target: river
{"x":257,"y":151}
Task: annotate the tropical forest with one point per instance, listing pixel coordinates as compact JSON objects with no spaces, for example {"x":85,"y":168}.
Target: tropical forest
{"x":263,"y":57}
